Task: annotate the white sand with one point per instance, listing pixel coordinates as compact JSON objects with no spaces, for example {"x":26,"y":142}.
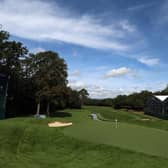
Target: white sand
{"x":145,"y":119}
{"x":59,"y":124}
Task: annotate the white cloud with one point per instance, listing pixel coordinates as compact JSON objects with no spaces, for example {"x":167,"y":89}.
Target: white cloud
{"x":140,"y":7}
{"x":43,"y":20}
{"x":75,"y":73}
{"x":77,"y":85}
{"x":101,"y":91}
{"x":37,"y":50}
{"x":118,"y":72}
{"x":126,"y":26}
{"x":95,"y":91}
{"x":149,"y":61}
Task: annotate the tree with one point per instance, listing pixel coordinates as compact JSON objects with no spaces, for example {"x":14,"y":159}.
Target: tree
{"x":37,"y":81}
{"x":165,"y":91}
{"x":135,"y":101}
{"x":74,"y":100}
{"x":83,"y":93}
{"x":120,"y":101}
{"x":49,"y":73}
{"x":10,"y":54}
{"x":10,"y":64}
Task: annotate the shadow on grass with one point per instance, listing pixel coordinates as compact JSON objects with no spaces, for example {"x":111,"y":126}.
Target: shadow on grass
{"x":61,"y":114}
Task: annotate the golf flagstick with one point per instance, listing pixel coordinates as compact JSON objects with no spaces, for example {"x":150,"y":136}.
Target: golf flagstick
{"x":116,"y":123}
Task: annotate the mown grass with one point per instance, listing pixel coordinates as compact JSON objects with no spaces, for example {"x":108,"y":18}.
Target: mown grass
{"x":131,"y":117}
{"x":134,"y":137}
{"x":29,"y":143}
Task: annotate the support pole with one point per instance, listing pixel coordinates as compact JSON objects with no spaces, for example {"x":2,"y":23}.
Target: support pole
{"x":116,"y":123}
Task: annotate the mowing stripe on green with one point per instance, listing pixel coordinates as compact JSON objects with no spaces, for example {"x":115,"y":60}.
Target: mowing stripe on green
{"x":133,"y":137}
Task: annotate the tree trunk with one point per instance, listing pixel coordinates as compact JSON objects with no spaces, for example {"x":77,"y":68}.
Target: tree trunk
{"x":48,"y":109}
{"x":38,"y":108}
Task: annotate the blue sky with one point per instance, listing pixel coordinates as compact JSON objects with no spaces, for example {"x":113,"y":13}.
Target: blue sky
{"x":111,"y":46}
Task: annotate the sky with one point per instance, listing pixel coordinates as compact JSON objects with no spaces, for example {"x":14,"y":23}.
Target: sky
{"x":111,"y":47}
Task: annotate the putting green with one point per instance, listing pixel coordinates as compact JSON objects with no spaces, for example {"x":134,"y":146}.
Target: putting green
{"x":132,"y":137}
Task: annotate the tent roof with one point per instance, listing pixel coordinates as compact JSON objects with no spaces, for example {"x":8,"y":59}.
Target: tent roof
{"x":161,"y":97}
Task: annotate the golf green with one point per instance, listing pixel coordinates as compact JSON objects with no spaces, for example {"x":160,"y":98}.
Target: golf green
{"x":128,"y":136}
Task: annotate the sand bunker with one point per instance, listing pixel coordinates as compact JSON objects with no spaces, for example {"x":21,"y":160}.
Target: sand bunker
{"x":59,"y":124}
{"x":145,"y":119}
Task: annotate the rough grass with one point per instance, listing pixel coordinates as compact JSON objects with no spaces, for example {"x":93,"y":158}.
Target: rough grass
{"x":29,"y":143}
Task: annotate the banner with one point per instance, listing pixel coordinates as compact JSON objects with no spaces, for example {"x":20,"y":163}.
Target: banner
{"x":3,"y":94}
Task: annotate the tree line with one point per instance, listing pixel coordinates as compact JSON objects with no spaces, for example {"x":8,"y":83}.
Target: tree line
{"x":134,"y":101}
{"x":36,"y":82}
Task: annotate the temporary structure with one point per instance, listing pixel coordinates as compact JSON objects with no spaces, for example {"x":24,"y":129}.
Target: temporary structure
{"x":157,"y":106}
{"x":3,"y":94}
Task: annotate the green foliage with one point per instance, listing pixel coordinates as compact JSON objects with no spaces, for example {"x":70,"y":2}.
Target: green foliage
{"x":74,"y":100}
{"x":100,"y":102}
{"x":163,"y":92}
{"x":83,"y":94}
{"x":34,"y":78}
{"x":134,"y":101}
{"x":11,"y":53}
{"x":49,"y":73}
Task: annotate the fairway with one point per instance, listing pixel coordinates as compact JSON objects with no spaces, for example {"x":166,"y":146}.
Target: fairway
{"x":128,"y":136}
